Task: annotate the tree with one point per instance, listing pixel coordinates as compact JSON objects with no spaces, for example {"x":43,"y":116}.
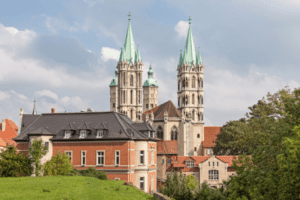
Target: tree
{"x":268,"y":137}
{"x":37,"y":150}
{"x":207,"y":193}
{"x":58,"y":165}
{"x":13,"y":164}
{"x":191,"y":183}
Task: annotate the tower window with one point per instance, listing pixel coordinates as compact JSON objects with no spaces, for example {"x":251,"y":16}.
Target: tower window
{"x":174,"y":134}
{"x":198,"y":136}
{"x":193,"y":82}
{"x":131,"y":94}
{"x":151,"y":105}
{"x":114,"y":105}
{"x":131,"y":80}
{"x":146,"y":105}
{"x":193,"y":99}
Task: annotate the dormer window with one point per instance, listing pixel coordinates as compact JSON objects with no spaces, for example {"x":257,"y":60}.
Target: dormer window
{"x":190,"y":164}
{"x":100,"y":133}
{"x":67,"y":134}
{"x":82,"y":133}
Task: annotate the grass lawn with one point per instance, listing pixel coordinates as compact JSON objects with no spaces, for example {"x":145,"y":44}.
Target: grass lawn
{"x":67,"y":187}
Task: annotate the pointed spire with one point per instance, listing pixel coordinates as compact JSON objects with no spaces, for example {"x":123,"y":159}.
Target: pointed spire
{"x":180,"y":58}
{"x":199,"y":60}
{"x":189,"y":51}
{"x":121,"y":53}
{"x":34,"y":109}
{"x":129,"y":47}
{"x":137,"y":55}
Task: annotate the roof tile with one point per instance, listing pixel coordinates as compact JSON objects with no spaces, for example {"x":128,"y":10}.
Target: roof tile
{"x":210,"y":135}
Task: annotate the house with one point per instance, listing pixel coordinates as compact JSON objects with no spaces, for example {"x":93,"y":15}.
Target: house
{"x":107,"y":141}
{"x":8,"y":130}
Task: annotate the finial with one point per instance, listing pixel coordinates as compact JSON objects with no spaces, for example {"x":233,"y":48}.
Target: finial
{"x":129,"y":16}
{"x":190,"y":20}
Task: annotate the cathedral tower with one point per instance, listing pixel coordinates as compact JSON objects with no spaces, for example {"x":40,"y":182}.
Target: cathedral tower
{"x":128,"y":88}
{"x":190,"y":94}
{"x":150,"y":90}
{"x":114,"y":93}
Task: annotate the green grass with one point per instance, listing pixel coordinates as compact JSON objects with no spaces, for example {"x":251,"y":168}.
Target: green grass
{"x":67,"y":188}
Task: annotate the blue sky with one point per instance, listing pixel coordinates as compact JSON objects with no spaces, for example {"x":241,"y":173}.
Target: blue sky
{"x":63,"y":53}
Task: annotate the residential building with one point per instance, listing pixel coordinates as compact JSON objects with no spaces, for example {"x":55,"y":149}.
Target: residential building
{"x":107,"y":141}
{"x":8,"y":130}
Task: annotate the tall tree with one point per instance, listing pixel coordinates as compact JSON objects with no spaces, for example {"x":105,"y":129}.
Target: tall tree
{"x":37,"y":151}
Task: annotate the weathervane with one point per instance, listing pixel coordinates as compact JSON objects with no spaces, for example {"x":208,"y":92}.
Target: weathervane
{"x":190,"y":20}
{"x":129,"y":16}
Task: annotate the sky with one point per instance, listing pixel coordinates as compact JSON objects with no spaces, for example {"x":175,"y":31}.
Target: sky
{"x":63,"y":54}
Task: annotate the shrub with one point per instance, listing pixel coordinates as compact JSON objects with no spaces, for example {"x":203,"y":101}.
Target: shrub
{"x":13,"y":164}
{"x":37,"y":151}
{"x":92,"y":172}
{"x":58,"y":165}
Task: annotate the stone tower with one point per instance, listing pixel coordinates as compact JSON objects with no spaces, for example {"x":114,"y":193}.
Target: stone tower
{"x":190,"y":91}
{"x":150,"y":90}
{"x":114,"y":93}
{"x":128,"y":88}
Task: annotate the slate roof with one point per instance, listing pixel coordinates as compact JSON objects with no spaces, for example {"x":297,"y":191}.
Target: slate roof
{"x":119,"y":126}
{"x":159,"y":111}
{"x":167,"y":147}
{"x":41,"y":131}
{"x":143,"y":126}
{"x":210,"y":135}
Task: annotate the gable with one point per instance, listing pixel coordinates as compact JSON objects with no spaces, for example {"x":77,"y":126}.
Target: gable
{"x":159,"y":111}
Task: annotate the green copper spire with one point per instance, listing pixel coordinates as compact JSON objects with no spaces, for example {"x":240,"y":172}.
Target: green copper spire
{"x":129,"y":47}
{"x":137,"y":55}
{"x":199,"y":60}
{"x":114,"y":81}
{"x":150,"y":80}
{"x":180,"y":59}
{"x":189,"y":51}
{"x":121,"y":54}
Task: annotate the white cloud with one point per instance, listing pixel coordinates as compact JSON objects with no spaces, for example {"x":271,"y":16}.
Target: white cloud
{"x":110,"y":54}
{"x":47,"y":93}
{"x":182,"y":28}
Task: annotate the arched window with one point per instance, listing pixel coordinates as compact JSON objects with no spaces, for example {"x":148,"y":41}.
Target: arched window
{"x":187,"y":100}
{"x":195,"y":148}
{"x":124,"y":78}
{"x":193,"y":83}
{"x":131,"y":95}
{"x":174,"y":133}
{"x":179,"y":85}
{"x":187,"y":82}
{"x":179,"y":102}
{"x":199,"y":83}
{"x":198,"y":99}
{"x":193,"y":99}
{"x":183,"y":83}
{"x":160,"y":133}
{"x":131,"y":114}
{"x":131,"y":80}
{"x":193,"y":115}
{"x":123,"y":96}
{"x":198,"y":116}
{"x":213,"y":175}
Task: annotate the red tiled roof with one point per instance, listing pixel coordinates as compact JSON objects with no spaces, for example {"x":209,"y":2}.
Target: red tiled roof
{"x":198,"y":159}
{"x":159,"y":111}
{"x":210,"y":135}
{"x":228,"y":159}
{"x":10,"y":132}
{"x":179,"y":165}
{"x":167,"y":147}
{"x":2,"y":143}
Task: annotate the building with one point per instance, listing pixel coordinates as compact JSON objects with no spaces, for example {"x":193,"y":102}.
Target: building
{"x":8,"y":130}
{"x":210,"y":136}
{"x":107,"y":141}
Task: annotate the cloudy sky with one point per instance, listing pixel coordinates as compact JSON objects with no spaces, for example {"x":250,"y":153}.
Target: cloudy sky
{"x":63,"y":53}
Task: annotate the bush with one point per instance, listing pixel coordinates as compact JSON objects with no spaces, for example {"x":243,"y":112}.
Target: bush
{"x":75,"y":172}
{"x":13,"y":164}
{"x":58,"y":165}
{"x":92,"y":172}
{"x":207,"y":193}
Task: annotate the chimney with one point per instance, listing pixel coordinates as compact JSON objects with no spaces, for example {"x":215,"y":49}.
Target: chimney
{"x":3,"y":124}
{"x":21,"y":116}
{"x":52,"y":110}
{"x":89,"y":110}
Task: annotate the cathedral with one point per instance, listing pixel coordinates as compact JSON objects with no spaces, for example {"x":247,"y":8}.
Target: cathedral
{"x":184,"y":123}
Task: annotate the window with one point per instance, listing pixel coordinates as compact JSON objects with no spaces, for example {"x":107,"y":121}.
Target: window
{"x":131,"y":94}
{"x":67,"y":134}
{"x":117,"y":157}
{"x":69,"y":153}
{"x":190,"y":164}
{"x":131,"y":80}
{"x":198,"y":136}
{"x":114,"y":105}
{"x":100,"y":157}
{"x":217,"y":163}
{"x":193,"y":115}
{"x":193,"y":82}
{"x":142,"y":183}
{"x":168,"y":161}
{"x":160,"y":133}
{"x":100,"y":133}
{"x":213,"y":174}
{"x":47,"y":145}
{"x":174,"y":134}
{"x":152,"y":95}
{"x":163,"y":161}
{"x":152,"y":157}
{"x":146,"y":105}
{"x":142,"y":157}
{"x":208,"y":151}
{"x":117,"y":179}
{"x":193,"y":99}
{"x":151,"y":105}
{"x":195,"y":148}
{"x":83,"y":158}
{"x":131,"y":114}
{"x":82,"y":133}
{"x":152,"y":182}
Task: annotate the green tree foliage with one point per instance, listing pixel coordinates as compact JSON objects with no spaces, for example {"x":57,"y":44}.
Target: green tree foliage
{"x":207,"y":193}
{"x":176,"y":187}
{"x":92,"y":172}
{"x":58,"y":165}
{"x":13,"y":164}
{"x":37,"y":150}
{"x":267,"y":135}
{"x":191,"y":183}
